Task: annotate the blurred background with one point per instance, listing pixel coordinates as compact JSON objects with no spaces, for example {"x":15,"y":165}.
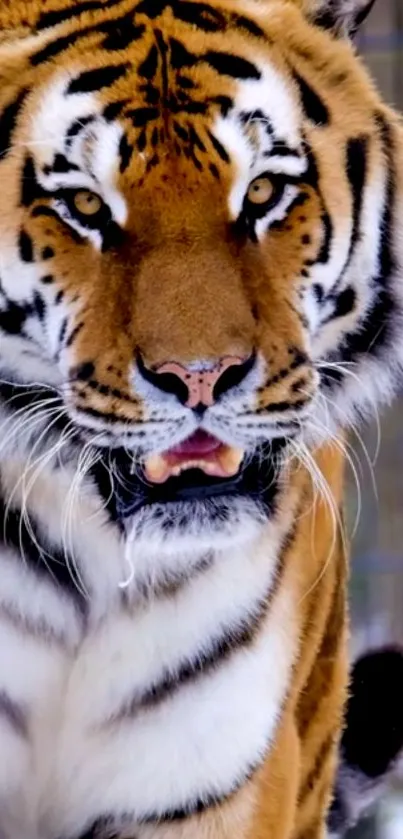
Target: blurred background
{"x":377,"y":564}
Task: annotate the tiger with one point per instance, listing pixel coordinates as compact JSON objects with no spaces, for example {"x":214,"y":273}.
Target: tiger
{"x":200,"y":261}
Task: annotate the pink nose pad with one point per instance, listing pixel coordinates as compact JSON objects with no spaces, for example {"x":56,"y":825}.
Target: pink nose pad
{"x":200,"y":385}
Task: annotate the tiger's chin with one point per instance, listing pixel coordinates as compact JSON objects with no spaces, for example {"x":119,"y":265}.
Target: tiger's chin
{"x":187,"y":499}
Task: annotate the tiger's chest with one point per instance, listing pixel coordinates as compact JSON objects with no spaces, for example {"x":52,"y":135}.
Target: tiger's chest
{"x":145,"y":710}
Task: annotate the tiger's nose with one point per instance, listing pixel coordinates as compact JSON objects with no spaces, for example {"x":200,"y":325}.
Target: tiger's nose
{"x":199,"y":388}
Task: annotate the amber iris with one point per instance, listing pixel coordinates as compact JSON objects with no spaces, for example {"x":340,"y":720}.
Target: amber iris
{"x":87,"y":203}
{"x":260,"y":191}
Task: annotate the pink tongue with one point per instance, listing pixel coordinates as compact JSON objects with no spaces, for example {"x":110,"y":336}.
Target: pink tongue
{"x":198,"y":445}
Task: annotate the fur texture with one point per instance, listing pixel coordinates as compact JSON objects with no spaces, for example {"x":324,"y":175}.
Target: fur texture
{"x":176,"y":667}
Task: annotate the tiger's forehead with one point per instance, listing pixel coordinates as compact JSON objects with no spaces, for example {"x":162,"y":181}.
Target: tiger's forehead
{"x":167,"y":102}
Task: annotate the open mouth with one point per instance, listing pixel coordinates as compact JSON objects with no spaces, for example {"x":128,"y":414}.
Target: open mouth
{"x":199,"y":469}
{"x":202,"y":452}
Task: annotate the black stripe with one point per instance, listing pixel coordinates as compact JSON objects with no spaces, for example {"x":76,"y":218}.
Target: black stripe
{"x":31,"y":189}
{"x":91,"y":80}
{"x":231,"y":65}
{"x":344,"y":303}
{"x":204,"y":803}
{"x":283,"y":406}
{"x":149,"y":66}
{"x":201,"y":665}
{"x":314,"y":776}
{"x":49,"y":561}
{"x":377,"y":329}
{"x":356,"y":170}
{"x":122,"y":822}
{"x":25,"y":247}
{"x":312,"y":177}
{"x":120,"y":33}
{"x":58,"y":45}
{"x":219,"y":148}
{"x":241,"y":22}
{"x":73,"y":334}
{"x":125,"y":152}
{"x":26,"y":625}
{"x":54,"y":48}
{"x":8,"y":119}
{"x":14,"y":714}
{"x":109,"y":418}
{"x":200,"y":15}
{"x":324,"y":253}
{"x":315,"y":108}
{"x":300,"y":360}
{"x":52,"y":18}
{"x":114,"y":109}
{"x":142,"y":116}
{"x":318,"y":688}
{"x":12,"y":319}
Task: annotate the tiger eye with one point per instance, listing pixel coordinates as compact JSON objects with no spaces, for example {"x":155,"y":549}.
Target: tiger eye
{"x":87,"y":203}
{"x":260,"y":191}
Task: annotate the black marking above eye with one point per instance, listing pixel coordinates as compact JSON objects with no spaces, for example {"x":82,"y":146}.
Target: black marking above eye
{"x":141,"y":116}
{"x":180,"y":56}
{"x":241,"y":22}
{"x":31,"y":189}
{"x":114,"y":109}
{"x":231,"y":65}
{"x":315,"y":108}
{"x":52,"y":18}
{"x":120,"y":33}
{"x":93,"y":80}
{"x":201,"y":15}
{"x":149,"y":66}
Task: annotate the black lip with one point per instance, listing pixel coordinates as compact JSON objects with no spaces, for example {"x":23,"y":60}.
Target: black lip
{"x":129,"y":493}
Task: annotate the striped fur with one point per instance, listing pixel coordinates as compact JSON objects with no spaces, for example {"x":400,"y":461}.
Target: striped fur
{"x":177,"y":668}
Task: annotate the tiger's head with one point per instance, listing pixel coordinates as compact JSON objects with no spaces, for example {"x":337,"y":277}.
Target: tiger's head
{"x":198,"y":243}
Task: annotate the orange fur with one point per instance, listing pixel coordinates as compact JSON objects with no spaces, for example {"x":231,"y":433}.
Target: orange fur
{"x":179,"y":226}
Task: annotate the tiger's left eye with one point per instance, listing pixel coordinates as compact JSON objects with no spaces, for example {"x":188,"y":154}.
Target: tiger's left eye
{"x":87,"y":203}
{"x":260,"y":191}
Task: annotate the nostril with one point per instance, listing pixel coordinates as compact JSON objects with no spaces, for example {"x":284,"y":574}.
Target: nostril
{"x":169,"y":383}
{"x":233,"y":376}
{"x":165,"y":381}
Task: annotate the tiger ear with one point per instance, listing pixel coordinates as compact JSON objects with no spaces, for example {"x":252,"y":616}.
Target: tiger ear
{"x":343,"y":17}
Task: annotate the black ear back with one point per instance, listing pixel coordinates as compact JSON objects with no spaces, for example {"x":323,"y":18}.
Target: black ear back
{"x":373,"y":735}
{"x":343,"y":16}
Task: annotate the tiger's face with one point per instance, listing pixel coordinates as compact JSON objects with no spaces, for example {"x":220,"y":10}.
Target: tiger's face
{"x":195,"y":246}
